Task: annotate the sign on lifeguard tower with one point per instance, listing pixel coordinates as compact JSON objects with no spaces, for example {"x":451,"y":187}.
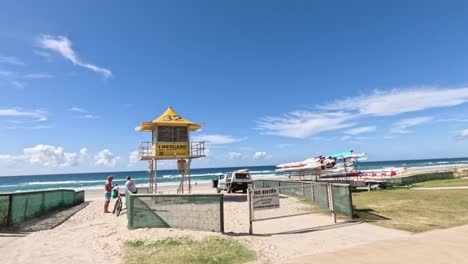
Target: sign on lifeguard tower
{"x":170,"y":140}
{"x":171,"y":149}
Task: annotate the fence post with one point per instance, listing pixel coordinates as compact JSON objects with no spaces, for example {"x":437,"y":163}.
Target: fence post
{"x":25,"y":209}
{"x":302,"y":187}
{"x":313,"y":191}
{"x":332,"y":202}
{"x":249,"y":198}
{"x":221,"y":209}
{"x":10,"y":205}
{"x":328,"y":195}
{"x":130,"y":211}
{"x":43,"y":203}
{"x":350,"y":195}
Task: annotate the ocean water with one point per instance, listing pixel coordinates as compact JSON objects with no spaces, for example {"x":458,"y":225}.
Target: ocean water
{"x":96,"y":181}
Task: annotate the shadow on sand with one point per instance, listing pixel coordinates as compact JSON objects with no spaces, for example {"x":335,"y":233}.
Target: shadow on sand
{"x":238,"y":198}
{"x":45,"y":222}
{"x":368,"y":215}
{"x":299,"y":231}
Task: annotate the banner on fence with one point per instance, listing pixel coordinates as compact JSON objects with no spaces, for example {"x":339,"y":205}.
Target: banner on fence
{"x":265,"y":198}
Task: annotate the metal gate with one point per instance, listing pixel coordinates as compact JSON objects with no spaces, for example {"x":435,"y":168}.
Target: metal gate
{"x":290,"y":199}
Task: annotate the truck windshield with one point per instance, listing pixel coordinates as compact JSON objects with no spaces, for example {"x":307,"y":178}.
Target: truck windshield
{"x":242,"y":175}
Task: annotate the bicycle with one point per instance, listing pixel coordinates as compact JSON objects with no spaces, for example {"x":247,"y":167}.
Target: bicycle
{"x":118,"y":204}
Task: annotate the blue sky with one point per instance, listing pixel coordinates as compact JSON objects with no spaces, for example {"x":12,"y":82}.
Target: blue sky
{"x":273,"y":81}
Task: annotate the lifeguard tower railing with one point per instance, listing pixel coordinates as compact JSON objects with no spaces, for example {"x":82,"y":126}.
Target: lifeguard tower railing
{"x":146,"y":151}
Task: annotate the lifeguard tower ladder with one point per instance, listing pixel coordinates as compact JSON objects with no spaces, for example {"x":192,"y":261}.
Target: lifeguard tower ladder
{"x":170,"y":141}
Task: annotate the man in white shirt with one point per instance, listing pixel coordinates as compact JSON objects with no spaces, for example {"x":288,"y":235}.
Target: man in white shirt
{"x":130,"y":184}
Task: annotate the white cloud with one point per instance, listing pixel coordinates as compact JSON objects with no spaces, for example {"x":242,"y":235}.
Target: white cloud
{"x":387,"y":103}
{"x":283,"y":146}
{"x":360,"y":130}
{"x":6,"y":73}
{"x":344,"y":138}
{"x":106,"y":158}
{"x":89,"y":116}
{"x":84,"y":152}
{"x":37,"y":76}
{"x":84,"y":112}
{"x":133,"y":157}
{"x":17,"y":84}
{"x":259,"y":155}
{"x":40,"y":127}
{"x":17,"y":80}
{"x":11,"y":60}
{"x":234,"y":155}
{"x":401,"y":127}
{"x":37,"y":115}
{"x":77,"y":109}
{"x":63,"y":46}
{"x":46,"y":156}
{"x":463,"y":134}
{"x":452,"y":120}
{"x":216,"y":139}
{"x":302,"y":124}
{"x":208,"y":153}
{"x":44,"y":54}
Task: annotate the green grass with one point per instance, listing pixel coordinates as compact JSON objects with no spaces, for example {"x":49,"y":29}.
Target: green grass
{"x":412,"y":210}
{"x":442,"y":183}
{"x":175,"y":250}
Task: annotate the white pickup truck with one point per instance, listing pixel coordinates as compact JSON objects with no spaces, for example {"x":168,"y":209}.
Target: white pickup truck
{"x":233,"y":181}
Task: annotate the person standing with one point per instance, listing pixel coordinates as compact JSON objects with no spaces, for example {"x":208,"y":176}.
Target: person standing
{"x":131,"y":186}
{"x":107,"y":194}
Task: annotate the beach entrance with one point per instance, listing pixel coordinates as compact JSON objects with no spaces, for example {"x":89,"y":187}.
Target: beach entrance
{"x":269,"y":200}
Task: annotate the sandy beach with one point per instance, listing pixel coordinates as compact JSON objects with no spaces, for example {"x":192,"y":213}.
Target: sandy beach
{"x":89,"y":236}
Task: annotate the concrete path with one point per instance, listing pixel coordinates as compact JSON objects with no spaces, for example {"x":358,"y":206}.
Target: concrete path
{"x":438,"y":246}
{"x":439,"y":188}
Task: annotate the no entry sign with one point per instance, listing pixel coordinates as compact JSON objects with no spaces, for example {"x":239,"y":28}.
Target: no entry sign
{"x":265,"y":198}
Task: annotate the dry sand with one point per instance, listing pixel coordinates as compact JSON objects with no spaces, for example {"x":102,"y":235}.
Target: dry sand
{"x":90,"y":236}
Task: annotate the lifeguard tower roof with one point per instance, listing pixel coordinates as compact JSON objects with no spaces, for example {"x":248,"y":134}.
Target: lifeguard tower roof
{"x":168,"y":118}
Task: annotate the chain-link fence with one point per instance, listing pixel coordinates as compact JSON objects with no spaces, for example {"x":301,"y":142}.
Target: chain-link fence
{"x":191,"y":211}
{"x":22,"y":206}
{"x":270,"y":199}
{"x":297,"y":199}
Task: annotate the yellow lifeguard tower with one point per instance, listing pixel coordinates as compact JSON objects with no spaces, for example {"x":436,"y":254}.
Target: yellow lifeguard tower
{"x":170,"y":141}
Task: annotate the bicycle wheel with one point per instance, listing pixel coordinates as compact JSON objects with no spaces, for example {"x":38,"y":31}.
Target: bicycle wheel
{"x":119,"y":208}
{"x":116,"y":205}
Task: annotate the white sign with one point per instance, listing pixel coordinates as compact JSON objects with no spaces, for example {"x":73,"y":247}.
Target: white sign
{"x":265,"y":198}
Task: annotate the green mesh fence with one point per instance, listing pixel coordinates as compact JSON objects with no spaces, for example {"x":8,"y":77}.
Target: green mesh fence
{"x":79,"y":197}
{"x":191,"y":211}
{"x":4,"y":206}
{"x":420,"y":178}
{"x":22,"y":206}
{"x":342,"y":199}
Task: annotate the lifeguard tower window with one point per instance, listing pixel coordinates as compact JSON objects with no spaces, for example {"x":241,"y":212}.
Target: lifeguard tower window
{"x":172,"y":134}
